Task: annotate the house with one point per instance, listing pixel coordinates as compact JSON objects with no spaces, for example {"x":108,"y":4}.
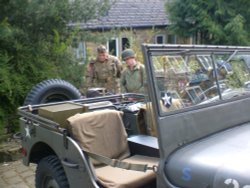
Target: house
{"x":128,"y":23}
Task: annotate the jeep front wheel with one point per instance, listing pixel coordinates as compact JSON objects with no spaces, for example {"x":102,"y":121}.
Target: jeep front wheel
{"x":50,"y":173}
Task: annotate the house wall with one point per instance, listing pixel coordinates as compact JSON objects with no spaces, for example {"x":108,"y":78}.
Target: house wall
{"x":135,"y":37}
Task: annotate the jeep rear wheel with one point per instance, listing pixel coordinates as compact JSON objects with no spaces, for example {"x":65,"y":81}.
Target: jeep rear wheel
{"x":52,"y":90}
{"x":50,"y":174}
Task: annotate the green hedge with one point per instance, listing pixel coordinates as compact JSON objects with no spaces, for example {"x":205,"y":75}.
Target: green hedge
{"x":24,"y":64}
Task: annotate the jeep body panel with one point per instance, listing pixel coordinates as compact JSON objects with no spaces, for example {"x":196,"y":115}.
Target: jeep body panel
{"x":40,"y":141}
{"x":220,"y":157}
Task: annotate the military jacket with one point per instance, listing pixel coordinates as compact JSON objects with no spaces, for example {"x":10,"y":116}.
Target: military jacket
{"x":104,"y":74}
{"x":132,"y":81}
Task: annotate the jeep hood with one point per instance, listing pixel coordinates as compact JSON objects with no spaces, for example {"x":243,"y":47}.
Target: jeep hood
{"x":220,"y":160}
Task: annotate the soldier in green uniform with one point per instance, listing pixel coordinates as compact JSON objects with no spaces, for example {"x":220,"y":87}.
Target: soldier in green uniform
{"x":104,"y":71}
{"x":133,"y":77}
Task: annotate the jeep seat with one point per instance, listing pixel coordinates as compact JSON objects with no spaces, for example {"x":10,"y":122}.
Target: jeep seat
{"x":102,"y":132}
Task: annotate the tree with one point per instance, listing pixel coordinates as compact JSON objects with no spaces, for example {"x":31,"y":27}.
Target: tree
{"x":211,"y":22}
{"x":34,"y":41}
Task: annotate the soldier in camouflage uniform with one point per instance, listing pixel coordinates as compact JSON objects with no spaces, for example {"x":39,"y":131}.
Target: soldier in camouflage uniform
{"x":104,"y":71}
{"x":133,"y":77}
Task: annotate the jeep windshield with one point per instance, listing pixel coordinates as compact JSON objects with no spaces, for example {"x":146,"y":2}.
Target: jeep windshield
{"x":200,"y":98}
{"x":188,"y":76}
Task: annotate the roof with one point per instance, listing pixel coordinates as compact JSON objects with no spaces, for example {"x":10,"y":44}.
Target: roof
{"x":130,"y":13}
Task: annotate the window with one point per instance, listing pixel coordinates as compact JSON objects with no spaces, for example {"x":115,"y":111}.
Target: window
{"x":125,"y":43}
{"x":160,"y":39}
{"x":171,"y":39}
{"x":113,"y":46}
{"x":80,"y":52}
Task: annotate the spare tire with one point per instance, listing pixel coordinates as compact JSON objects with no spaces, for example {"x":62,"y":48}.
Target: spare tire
{"x":52,"y":90}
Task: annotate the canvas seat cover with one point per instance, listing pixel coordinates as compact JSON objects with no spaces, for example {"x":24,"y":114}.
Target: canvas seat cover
{"x":102,"y":132}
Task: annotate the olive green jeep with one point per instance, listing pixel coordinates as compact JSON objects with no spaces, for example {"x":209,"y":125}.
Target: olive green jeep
{"x":190,"y":129}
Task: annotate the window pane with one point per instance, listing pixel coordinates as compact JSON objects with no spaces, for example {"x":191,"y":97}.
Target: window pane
{"x":112,"y":47}
{"x":125,"y":43}
{"x":160,"y":39}
{"x":80,"y":52}
{"x":183,"y":81}
{"x":171,"y":39}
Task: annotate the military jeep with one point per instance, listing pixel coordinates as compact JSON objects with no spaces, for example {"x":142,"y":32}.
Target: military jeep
{"x":179,"y":133}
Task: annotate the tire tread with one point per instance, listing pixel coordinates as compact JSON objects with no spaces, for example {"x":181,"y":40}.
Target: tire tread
{"x":52,"y":164}
{"x":42,"y":87}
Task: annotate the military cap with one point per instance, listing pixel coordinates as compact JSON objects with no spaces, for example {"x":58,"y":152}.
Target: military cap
{"x":127,"y":54}
{"x":101,"y":49}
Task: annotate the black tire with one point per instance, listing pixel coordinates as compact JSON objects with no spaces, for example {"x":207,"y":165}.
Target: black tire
{"x":92,"y":94}
{"x":50,"y":173}
{"x":53,"y":90}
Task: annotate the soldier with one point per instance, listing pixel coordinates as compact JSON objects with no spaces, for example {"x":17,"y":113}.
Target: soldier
{"x":133,"y":77}
{"x":104,"y":71}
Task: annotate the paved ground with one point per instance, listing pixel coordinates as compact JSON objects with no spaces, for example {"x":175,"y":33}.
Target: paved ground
{"x":16,"y":175}
{"x":13,"y":174}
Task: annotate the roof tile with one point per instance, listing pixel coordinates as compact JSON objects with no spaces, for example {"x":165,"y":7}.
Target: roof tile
{"x":131,"y":13}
